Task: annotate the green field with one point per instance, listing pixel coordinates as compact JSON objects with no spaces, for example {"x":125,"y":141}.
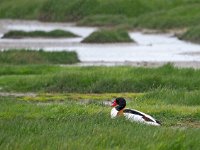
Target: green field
{"x":67,"y":112}
{"x":46,"y":104}
{"x":97,"y":79}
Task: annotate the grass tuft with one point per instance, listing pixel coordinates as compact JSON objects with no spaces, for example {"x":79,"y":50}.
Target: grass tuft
{"x":37,"y":57}
{"x":108,"y":36}
{"x":36,"y":34}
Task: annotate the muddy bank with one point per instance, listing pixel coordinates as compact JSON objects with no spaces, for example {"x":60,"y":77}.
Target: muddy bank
{"x":17,"y":94}
{"x":148,"y":64}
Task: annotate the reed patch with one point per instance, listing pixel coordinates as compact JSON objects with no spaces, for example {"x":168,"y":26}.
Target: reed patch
{"x":39,"y":34}
{"x":23,"y":56}
{"x":108,"y":36}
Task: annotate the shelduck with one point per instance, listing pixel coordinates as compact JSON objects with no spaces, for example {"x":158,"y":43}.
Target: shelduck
{"x":119,"y":109}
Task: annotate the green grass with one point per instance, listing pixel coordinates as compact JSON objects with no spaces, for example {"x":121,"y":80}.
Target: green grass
{"x":72,"y":125}
{"x":174,"y":96}
{"x":35,"y":34}
{"x":20,"y":9}
{"x":37,"y":57}
{"x":78,"y":9}
{"x":62,"y":120}
{"x":103,"y":20}
{"x":33,"y":69}
{"x":182,"y":16}
{"x":68,"y":113}
{"x":178,"y":17}
{"x":108,"y":36}
{"x":101,"y":79}
{"x":154,"y":13}
{"x":132,"y":14}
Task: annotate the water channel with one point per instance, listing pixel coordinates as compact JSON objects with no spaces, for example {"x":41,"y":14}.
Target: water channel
{"x":149,"y":48}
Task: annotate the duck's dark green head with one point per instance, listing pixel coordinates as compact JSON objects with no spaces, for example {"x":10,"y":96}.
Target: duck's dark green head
{"x":120,"y":103}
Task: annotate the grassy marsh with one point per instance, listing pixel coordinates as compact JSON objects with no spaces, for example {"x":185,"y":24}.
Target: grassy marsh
{"x":101,"y":79}
{"x":159,"y":14}
{"x":103,"y":20}
{"x":81,"y":120}
{"x":68,"y":111}
{"x":132,"y":14}
{"x":36,"y":34}
{"x":72,"y":125}
{"x":37,"y":57}
{"x":108,"y":36}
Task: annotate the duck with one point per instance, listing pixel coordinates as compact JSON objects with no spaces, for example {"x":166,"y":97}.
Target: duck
{"x":133,"y":115}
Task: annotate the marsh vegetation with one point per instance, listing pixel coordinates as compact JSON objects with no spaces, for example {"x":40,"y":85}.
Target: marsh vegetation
{"x":25,"y":56}
{"x":108,"y":36}
{"x":155,"y":14}
{"x":26,"y":122}
{"x":39,"y":34}
{"x":67,"y":109}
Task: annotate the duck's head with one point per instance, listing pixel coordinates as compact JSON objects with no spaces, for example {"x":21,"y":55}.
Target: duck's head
{"x":119,"y":103}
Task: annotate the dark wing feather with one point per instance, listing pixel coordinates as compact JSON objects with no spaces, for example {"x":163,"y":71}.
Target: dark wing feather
{"x":138,"y":113}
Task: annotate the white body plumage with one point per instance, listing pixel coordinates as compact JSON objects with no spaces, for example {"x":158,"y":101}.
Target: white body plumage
{"x":136,"y":117}
{"x":131,"y":114}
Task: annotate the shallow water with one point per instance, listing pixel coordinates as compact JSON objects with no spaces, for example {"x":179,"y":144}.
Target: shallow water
{"x":149,"y":47}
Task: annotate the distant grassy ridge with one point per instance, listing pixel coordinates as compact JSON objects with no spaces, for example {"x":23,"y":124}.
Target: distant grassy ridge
{"x":35,"y":34}
{"x":21,"y":9}
{"x":184,"y":15}
{"x":37,"y":57}
{"x":150,"y":14}
{"x":131,"y":14}
{"x":103,"y":20}
{"x":101,"y":79}
{"x":108,"y":36}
